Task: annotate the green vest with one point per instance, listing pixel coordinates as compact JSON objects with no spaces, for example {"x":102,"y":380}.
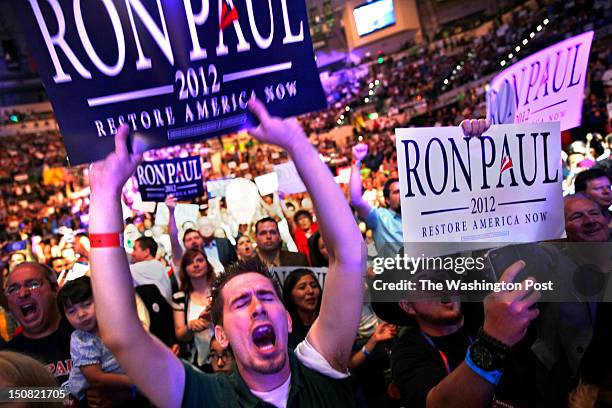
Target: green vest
{"x":308,"y":389}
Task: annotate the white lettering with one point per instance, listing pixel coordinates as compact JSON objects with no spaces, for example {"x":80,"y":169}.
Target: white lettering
{"x":280,"y":91}
{"x":58,"y":39}
{"x":188,"y":114}
{"x":289,"y":37}
{"x":171,"y":172}
{"x":225,"y":104}
{"x":149,"y":174}
{"x":269,"y":91}
{"x":158,"y":119}
{"x":132,"y":118}
{"x":139,"y":172}
{"x":162,"y":39}
{"x":169,"y":116}
{"x":291,"y":88}
{"x":145,"y":119}
{"x":100,"y":128}
{"x":111,"y":125}
{"x":197,"y":53}
{"x":243,"y":45}
{"x":263,"y":43}
{"x":116,"y":22}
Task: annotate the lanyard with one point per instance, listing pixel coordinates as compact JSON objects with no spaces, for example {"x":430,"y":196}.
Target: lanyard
{"x":442,"y":354}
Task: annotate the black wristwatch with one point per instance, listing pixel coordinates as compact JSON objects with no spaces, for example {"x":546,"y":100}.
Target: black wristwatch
{"x":488,"y":353}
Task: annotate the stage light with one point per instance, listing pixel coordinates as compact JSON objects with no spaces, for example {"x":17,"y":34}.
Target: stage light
{"x":503,"y":63}
{"x":517,"y":48}
{"x":371,"y":85}
{"x":525,"y":41}
{"x":14,"y":118}
{"x":539,"y":28}
{"x":342,"y":117}
{"x":339,"y":122}
{"x":546,"y":21}
{"x":371,"y":93}
{"x":381,"y":60}
{"x":366,"y":100}
{"x":531,"y":35}
{"x":510,"y":56}
{"x":348,"y":108}
{"x":377,"y":82}
{"x":446,"y":82}
{"x":454,"y":71}
{"x":458,"y":68}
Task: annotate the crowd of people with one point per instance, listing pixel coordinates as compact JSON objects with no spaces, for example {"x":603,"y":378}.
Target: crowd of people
{"x":276,"y":308}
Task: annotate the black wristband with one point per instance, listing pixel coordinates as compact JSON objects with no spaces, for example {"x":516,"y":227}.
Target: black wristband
{"x":495,"y":344}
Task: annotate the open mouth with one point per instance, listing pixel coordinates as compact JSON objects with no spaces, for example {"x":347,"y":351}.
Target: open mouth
{"x":264,"y":338}
{"x":28,"y":309}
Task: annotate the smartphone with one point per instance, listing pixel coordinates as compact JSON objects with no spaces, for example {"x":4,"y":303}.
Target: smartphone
{"x":535,"y":258}
{"x":16,"y":246}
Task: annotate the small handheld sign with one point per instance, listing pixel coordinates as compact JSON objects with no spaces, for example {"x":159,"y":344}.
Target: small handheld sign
{"x":181,"y":177}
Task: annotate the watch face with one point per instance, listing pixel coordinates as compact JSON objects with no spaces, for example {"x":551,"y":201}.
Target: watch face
{"x":482,"y":357}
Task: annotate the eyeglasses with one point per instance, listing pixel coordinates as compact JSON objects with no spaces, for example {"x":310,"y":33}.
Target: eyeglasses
{"x":30,"y":285}
{"x":214,"y":356}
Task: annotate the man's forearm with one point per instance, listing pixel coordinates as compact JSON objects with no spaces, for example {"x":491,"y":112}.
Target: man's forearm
{"x":111,"y":277}
{"x":177,"y":251}
{"x":461,"y":388}
{"x":356,"y":191}
{"x":333,"y":333}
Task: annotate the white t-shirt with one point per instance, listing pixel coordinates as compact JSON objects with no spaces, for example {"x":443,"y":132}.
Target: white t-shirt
{"x":152,"y":272}
{"x":201,"y":339}
{"x":312,"y":359}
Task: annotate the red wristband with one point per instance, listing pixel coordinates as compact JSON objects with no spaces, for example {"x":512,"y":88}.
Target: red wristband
{"x":109,"y":240}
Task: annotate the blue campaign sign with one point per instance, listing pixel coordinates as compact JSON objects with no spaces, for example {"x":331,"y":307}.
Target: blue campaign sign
{"x":180,"y":177}
{"x":174,"y":71}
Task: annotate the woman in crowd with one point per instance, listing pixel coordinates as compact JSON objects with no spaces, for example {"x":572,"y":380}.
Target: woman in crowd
{"x":244,"y":248}
{"x":191,"y":319}
{"x":302,"y":295}
{"x":318,"y":253}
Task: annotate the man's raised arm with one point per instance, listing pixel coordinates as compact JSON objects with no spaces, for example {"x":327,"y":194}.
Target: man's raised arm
{"x":149,"y":363}
{"x":177,"y":250}
{"x":333,"y":333}
{"x":360,"y":151}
